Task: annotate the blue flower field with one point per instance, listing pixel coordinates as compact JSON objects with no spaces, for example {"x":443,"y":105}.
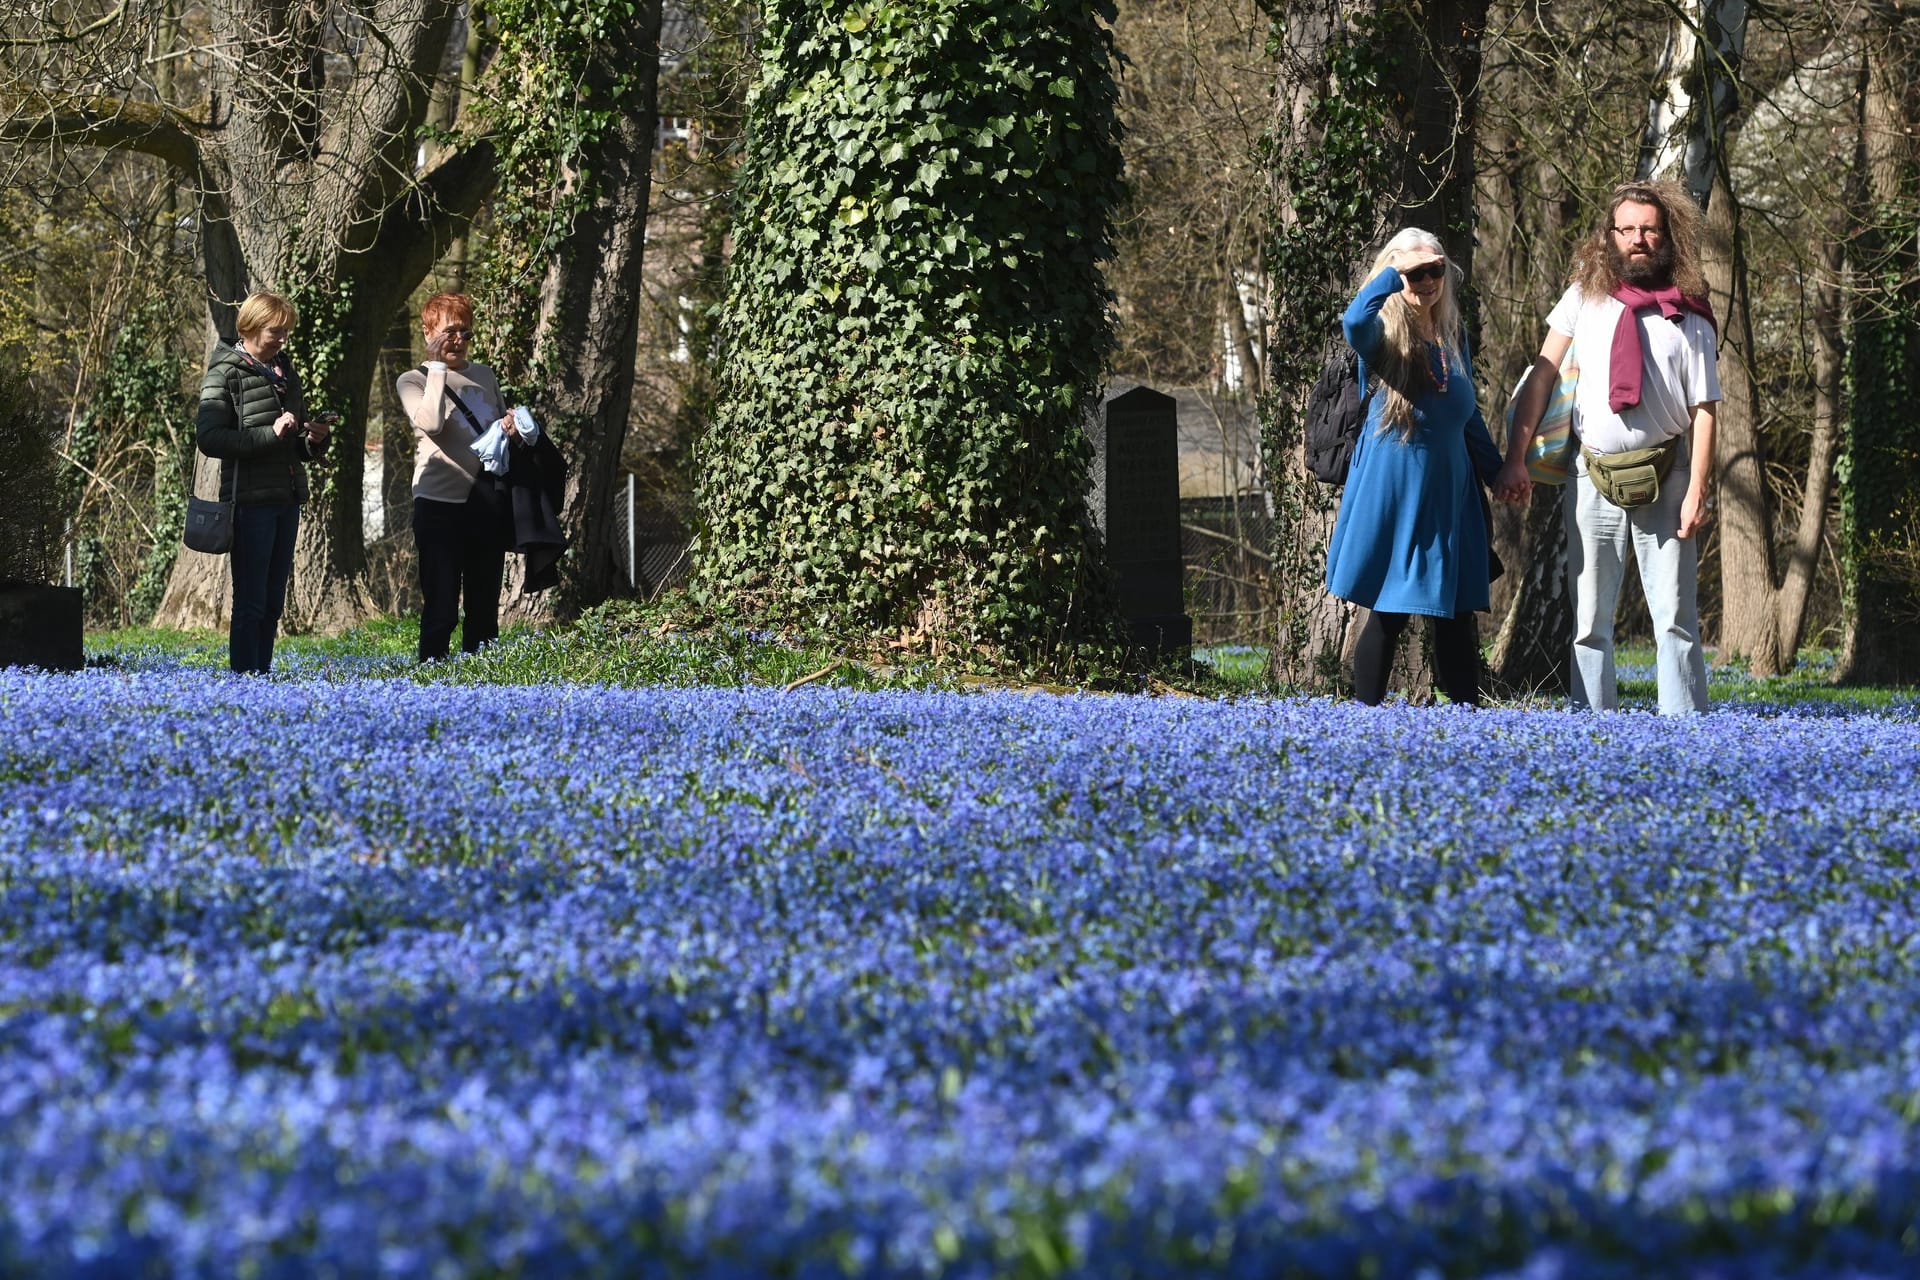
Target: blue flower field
{"x":355,"y":977}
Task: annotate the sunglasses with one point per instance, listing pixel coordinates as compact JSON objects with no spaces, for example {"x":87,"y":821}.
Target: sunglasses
{"x":1420,"y":275}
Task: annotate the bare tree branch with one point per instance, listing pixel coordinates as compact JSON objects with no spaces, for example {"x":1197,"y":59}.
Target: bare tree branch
{"x":61,"y":36}
{"x":147,"y":127}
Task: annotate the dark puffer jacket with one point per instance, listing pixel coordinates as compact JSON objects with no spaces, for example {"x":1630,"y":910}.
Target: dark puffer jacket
{"x":238,"y":404}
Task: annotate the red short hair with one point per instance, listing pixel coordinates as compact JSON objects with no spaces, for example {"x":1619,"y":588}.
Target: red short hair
{"x":442,"y":307}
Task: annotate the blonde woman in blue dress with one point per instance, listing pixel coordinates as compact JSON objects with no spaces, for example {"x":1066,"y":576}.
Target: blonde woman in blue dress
{"x":1411,"y":536}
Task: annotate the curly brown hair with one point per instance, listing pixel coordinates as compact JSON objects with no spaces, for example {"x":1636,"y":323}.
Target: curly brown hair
{"x":1593,"y":261}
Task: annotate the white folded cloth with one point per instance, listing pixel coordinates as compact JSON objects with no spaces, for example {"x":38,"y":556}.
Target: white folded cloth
{"x":492,"y":447}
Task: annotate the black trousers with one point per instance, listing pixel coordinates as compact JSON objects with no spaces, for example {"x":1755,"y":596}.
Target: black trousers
{"x":262,"y":565}
{"x":462,"y":553}
{"x":1456,"y":656}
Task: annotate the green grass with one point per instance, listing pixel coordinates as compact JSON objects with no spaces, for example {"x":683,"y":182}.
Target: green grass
{"x":1810,"y":681}
{"x":625,"y":645}
{"x":632,"y":645}
{"x":378,"y":638}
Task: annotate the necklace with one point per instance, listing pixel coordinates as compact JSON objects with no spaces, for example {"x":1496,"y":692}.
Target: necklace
{"x":1440,"y":378}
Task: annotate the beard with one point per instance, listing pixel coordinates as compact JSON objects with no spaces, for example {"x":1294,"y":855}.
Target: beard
{"x":1651,"y":271}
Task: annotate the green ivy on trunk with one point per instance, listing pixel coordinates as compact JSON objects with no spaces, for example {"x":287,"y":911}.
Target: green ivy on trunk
{"x":916,"y":325}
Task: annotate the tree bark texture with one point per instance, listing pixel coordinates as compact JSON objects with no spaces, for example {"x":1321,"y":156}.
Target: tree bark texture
{"x":1312,"y":630}
{"x":1526,"y":202}
{"x":1748,"y":624}
{"x":1438,"y":112}
{"x":1534,"y":646}
{"x":589,"y":322}
{"x":1829,"y":369}
{"x":397,"y":438}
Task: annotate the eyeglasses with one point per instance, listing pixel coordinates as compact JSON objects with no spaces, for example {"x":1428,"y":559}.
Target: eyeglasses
{"x":1638,"y":233}
{"x":1420,"y":275}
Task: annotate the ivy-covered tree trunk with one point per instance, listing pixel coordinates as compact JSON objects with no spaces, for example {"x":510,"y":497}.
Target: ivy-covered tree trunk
{"x":1332,"y":173}
{"x":1882,"y":466}
{"x":916,"y":326}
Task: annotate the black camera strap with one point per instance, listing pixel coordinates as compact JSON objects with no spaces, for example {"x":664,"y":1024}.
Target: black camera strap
{"x":466,"y":411}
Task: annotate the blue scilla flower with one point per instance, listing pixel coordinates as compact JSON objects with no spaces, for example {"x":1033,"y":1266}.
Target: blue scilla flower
{"x":373,"y":977}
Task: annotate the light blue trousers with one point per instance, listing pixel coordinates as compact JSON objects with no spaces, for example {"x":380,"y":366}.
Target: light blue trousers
{"x":1598,"y":536}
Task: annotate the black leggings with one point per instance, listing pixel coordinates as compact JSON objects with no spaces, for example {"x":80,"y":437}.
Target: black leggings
{"x":1456,"y":656}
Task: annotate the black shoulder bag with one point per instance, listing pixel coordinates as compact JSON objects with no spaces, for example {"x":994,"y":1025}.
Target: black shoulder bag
{"x":210,"y":520}
{"x":209,"y":524}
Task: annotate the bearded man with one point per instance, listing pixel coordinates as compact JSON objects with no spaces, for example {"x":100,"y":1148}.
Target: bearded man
{"x":1642,"y":334}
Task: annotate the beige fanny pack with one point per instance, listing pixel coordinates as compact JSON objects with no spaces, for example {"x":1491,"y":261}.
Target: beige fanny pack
{"x":1631,"y":479}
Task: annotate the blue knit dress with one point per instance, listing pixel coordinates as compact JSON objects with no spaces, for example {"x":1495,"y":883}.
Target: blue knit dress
{"x":1411,"y":536}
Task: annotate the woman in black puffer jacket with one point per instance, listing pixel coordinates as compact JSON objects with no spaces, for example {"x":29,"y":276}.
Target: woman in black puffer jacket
{"x":254,"y":419}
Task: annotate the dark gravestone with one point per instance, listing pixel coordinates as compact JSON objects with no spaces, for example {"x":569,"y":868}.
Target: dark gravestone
{"x":40,"y":627}
{"x":1136,"y":503}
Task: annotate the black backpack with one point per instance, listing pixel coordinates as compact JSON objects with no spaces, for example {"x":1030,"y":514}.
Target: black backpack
{"x":1335,"y":411}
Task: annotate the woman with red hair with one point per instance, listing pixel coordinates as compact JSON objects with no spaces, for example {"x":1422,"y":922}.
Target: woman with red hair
{"x":461,"y":526}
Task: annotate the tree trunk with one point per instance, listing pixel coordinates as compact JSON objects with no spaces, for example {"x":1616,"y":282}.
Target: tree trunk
{"x":1311,"y":629}
{"x":1430,"y":109}
{"x":1534,"y":647}
{"x":1526,"y":203}
{"x":1829,"y":363}
{"x":1239,"y":335}
{"x":1441,"y":75}
{"x":1748,"y":624}
{"x":589,"y":322}
{"x":1883,"y":434}
{"x":397,"y":439}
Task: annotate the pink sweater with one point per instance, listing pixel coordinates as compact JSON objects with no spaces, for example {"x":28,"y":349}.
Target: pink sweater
{"x":444,"y":465}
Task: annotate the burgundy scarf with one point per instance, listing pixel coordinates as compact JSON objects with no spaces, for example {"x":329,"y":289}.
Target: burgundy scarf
{"x":1624,"y":367}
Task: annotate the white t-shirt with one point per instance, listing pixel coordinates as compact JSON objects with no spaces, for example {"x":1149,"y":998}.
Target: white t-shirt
{"x":1679,"y":369}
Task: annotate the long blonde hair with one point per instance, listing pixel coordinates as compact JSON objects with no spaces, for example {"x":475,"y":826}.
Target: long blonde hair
{"x":1401,"y":371}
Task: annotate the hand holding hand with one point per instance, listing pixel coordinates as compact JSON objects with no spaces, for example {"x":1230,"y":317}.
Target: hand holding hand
{"x":1513,"y":484}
